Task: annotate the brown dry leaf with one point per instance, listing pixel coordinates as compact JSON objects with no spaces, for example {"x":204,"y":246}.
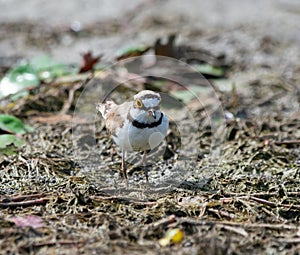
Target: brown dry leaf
{"x":88,"y":62}
{"x":168,"y":49}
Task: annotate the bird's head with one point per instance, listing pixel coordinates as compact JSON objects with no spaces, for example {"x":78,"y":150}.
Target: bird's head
{"x":146,"y":106}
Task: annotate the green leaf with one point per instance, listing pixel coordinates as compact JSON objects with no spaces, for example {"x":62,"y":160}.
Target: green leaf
{"x":29,"y":128}
{"x":131,"y":52}
{"x":13,"y":124}
{"x":210,"y":70}
{"x":184,"y":95}
{"x":8,"y":151}
{"x":7,"y":140}
{"x":48,"y":68}
{"x":29,"y":74}
{"x":190,"y":93}
{"x":18,"y":79}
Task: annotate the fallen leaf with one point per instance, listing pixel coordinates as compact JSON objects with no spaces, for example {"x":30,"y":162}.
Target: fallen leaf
{"x":19,"y":80}
{"x":168,"y":49}
{"x":192,"y":92}
{"x":12,"y":124}
{"x":88,"y":62}
{"x":48,"y":68}
{"x":131,"y":52}
{"x":28,"y":221}
{"x":173,"y":236}
{"x":7,"y":140}
{"x":210,"y":71}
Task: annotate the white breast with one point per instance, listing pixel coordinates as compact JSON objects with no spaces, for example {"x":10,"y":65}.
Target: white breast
{"x":130,"y":138}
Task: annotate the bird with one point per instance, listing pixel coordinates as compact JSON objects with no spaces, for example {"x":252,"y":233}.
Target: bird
{"x":136,"y":125}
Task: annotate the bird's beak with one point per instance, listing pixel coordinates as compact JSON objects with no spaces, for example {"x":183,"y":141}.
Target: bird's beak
{"x":152,"y":113}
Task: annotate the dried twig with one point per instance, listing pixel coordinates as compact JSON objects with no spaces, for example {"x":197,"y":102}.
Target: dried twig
{"x":261,"y":201}
{"x":260,"y":194}
{"x":69,"y":102}
{"x":165,"y":221}
{"x":237,"y":230}
{"x":266,"y":202}
{"x":125,"y":200}
{"x":17,"y":198}
{"x":40,"y":201}
{"x":56,"y":242}
{"x":221,"y":213}
{"x":192,"y":221}
{"x":289,"y":240}
{"x":291,"y":142}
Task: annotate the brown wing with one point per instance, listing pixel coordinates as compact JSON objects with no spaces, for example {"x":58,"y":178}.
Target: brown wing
{"x":105,"y":108}
{"x":116,"y":117}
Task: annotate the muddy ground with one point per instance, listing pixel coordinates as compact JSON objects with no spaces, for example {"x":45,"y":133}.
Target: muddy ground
{"x":237,"y":194}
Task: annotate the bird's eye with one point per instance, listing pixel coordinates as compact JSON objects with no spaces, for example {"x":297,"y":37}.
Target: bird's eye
{"x":138,"y":103}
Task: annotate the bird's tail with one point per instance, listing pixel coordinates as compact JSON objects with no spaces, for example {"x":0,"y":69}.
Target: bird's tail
{"x":105,"y":108}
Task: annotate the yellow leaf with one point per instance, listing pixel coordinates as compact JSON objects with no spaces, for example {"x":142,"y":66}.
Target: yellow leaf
{"x":174,"y":236}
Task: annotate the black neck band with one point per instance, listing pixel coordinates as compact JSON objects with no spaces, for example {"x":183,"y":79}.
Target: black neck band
{"x":137,"y":124}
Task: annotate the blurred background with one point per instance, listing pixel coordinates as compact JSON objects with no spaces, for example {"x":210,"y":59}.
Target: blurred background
{"x":65,"y":29}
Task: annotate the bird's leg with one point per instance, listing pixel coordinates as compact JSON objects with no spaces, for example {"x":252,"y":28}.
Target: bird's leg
{"x":124,"y":168}
{"x":144,"y":161}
